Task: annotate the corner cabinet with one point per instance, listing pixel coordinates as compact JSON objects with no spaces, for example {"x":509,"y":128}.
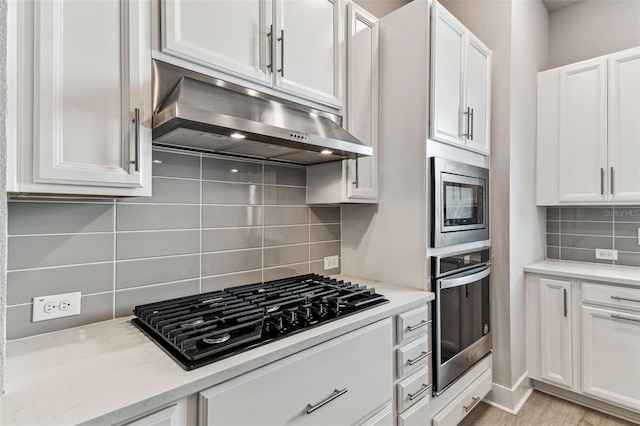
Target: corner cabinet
{"x":80,"y":107}
{"x":460,"y":84}
{"x":588,"y":131}
{"x":291,"y":47}
{"x":344,"y":381}
{"x":354,"y":180}
{"x":583,"y":338}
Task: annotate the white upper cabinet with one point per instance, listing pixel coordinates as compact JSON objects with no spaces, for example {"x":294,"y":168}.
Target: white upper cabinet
{"x":226,"y":35}
{"x":292,"y":47}
{"x":354,"y":180}
{"x":83,"y":106}
{"x":582,"y":139}
{"x":460,"y":84}
{"x":624,"y":126}
{"x":589,"y":131}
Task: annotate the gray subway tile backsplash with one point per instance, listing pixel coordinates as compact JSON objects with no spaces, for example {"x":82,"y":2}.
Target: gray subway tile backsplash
{"x":205,"y":228}
{"x":573,"y":233}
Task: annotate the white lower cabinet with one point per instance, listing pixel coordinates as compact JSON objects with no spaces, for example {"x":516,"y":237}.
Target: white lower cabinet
{"x":344,"y":381}
{"x":597,"y":338}
{"x":611,"y":356}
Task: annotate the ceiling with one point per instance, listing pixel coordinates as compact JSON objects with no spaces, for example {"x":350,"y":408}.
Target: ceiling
{"x":553,"y":5}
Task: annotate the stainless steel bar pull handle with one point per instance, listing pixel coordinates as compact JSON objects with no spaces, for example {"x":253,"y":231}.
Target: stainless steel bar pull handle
{"x":336,"y":393}
{"x":270,"y":45}
{"x":612,"y":191}
{"x":624,"y":318}
{"x":422,"y":356}
{"x":417,"y":326}
{"x":357,"y":174}
{"x":467,"y":115}
{"x":565,"y":301}
{"x":422,"y":390}
{"x":136,"y":132}
{"x":474,"y":402}
{"x":281,"y":39}
{"x":601,"y":181}
{"x":471,"y":130}
{"x":625,"y":299}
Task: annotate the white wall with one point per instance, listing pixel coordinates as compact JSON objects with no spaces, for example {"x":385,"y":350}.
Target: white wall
{"x":592,"y":28}
{"x":3,"y":193}
{"x":529,"y":52}
{"x":380,"y":8}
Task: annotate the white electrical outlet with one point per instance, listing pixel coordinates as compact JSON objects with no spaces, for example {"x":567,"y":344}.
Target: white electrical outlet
{"x":606,"y":254}
{"x":56,"y":306}
{"x":331,"y":262}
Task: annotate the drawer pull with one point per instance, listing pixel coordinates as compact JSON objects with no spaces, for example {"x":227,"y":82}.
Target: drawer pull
{"x":336,"y":393}
{"x":624,"y":318}
{"x":475,"y":401}
{"x":417,"y":326}
{"x":422,"y":356}
{"x":422,"y":390}
{"x":625,"y":299}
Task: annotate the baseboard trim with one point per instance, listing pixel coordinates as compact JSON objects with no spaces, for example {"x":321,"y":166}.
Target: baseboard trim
{"x":511,"y":399}
{"x":585,"y":401}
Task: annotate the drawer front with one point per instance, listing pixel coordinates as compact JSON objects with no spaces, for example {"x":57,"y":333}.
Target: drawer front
{"x":610,"y":295}
{"x":337,"y":382}
{"x":413,"y":389}
{"x":453,"y":413}
{"x":416,"y":415}
{"x":413,"y":324}
{"x":413,"y":356}
{"x":384,"y":417}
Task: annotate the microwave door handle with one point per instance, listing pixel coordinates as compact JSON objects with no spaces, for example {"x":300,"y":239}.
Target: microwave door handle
{"x":464,"y":279}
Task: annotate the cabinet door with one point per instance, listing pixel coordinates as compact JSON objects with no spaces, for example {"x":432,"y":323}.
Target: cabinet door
{"x":362,"y":101}
{"x":555,"y":331}
{"x":447,"y":116}
{"x":582,"y":142}
{"x":478,"y":94}
{"x":308,"y":40}
{"x":92,"y":62}
{"x":624,"y":125}
{"x":227,"y":35}
{"x":611,"y":356}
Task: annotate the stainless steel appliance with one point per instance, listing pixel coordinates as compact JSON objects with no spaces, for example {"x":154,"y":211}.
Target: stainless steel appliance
{"x":195,"y":111}
{"x":462,"y":326}
{"x":200,"y":329}
{"x":460,"y":203}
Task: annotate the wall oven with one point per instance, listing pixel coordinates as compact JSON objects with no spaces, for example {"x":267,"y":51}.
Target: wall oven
{"x":460,"y":200}
{"x":462,"y":326}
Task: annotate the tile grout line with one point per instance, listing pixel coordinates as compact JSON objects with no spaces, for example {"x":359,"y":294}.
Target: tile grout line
{"x":115,"y":257}
{"x":201,"y":225}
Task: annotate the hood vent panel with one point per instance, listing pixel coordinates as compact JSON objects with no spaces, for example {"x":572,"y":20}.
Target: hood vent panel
{"x":203,"y":115}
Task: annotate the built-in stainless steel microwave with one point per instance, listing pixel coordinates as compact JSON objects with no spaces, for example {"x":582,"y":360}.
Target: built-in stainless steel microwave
{"x":460,"y":203}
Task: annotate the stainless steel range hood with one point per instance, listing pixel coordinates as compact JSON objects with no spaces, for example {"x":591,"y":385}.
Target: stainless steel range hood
{"x":203,"y":113}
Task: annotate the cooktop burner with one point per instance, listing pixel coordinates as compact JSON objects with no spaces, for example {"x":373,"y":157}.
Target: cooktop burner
{"x":204,"y":328}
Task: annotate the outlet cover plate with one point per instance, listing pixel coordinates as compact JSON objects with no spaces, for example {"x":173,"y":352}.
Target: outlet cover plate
{"x":606,"y":254}
{"x":331,"y":262}
{"x":56,"y":306}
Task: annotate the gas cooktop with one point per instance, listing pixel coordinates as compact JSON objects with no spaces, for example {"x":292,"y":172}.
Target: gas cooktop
{"x":200,"y":329}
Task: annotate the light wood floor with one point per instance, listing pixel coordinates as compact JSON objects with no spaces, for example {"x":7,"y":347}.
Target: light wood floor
{"x":541,"y":410}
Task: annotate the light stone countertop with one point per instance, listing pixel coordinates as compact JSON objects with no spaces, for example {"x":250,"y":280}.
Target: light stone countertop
{"x":627,"y":275}
{"x":108,"y":372}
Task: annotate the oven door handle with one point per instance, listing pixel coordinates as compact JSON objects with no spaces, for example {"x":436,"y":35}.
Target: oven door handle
{"x":465,"y":279}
